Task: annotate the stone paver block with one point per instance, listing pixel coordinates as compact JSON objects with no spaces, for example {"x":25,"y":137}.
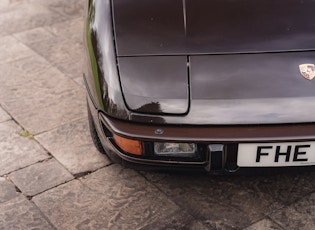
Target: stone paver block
{"x":80,"y":81}
{"x":64,"y":53}
{"x":70,"y":204}
{"x":111,"y":198}
{"x":72,"y":145}
{"x":24,"y":16}
{"x":4,"y":116}
{"x":72,"y":68}
{"x":8,"y":5}
{"x":299,"y":215}
{"x":220,"y":202}
{"x":71,"y":30}
{"x":40,"y":177}
{"x":23,"y":84}
{"x":19,"y":213}
{"x":55,"y":50}
{"x":69,"y":9}
{"x":12,"y":49}
{"x":285,"y":188}
{"x":34,"y":35}
{"x":130,"y":200}
{"x":179,"y":220}
{"x":17,"y":151}
{"x":61,"y":44}
{"x":33,"y":77}
{"x":40,"y":97}
{"x":49,"y":112}
{"x":7,"y":190}
{"x":265,"y":224}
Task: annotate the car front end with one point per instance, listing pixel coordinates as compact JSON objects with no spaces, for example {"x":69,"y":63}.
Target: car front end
{"x":198,"y":85}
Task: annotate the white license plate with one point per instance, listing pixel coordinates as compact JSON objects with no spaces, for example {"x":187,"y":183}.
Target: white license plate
{"x":276,"y":154}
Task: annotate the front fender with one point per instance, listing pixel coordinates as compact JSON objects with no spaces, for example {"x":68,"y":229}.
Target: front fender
{"x":101,"y":72}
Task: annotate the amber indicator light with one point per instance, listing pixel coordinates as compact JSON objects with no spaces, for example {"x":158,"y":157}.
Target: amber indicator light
{"x":128,"y":145}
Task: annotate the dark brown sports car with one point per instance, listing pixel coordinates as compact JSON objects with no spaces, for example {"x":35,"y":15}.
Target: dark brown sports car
{"x":207,"y":84}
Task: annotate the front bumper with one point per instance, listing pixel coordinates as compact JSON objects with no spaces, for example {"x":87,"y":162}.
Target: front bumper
{"x":217,"y":145}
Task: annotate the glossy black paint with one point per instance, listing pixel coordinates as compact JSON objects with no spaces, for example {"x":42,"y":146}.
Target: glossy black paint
{"x":155,"y":85}
{"x":219,"y":71}
{"x":103,"y":82}
{"x":261,"y":88}
{"x":234,"y":89}
{"x":251,"y":76}
{"x":164,"y":27}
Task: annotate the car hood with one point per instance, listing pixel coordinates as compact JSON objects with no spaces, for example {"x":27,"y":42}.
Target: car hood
{"x":216,"y":62}
{"x":164,"y":27}
{"x":221,"y":89}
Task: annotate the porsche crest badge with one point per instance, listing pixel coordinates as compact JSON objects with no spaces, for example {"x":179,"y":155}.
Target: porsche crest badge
{"x":307,"y":71}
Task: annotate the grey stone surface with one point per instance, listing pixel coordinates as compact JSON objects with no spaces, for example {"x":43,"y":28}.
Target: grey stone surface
{"x":70,"y":205}
{"x":80,"y":81}
{"x":40,"y":177}
{"x":220,"y":202}
{"x":72,"y":145}
{"x":7,"y":190}
{"x":19,"y":213}
{"x":17,"y":16}
{"x":4,"y":116}
{"x":37,"y":34}
{"x":12,"y":50}
{"x":16,"y":151}
{"x":71,"y":30}
{"x":284,"y":188}
{"x":265,"y":224}
{"x":299,"y":215}
{"x":65,"y":54}
{"x":179,"y":220}
{"x":40,"y":97}
{"x":111,"y":198}
{"x":68,"y":9}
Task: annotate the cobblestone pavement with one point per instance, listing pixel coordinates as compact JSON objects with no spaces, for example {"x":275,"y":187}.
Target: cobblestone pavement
{"x":52,"y":177}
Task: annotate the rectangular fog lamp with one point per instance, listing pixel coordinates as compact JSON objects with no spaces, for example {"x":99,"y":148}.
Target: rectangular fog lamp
{"x":174,"y":149}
